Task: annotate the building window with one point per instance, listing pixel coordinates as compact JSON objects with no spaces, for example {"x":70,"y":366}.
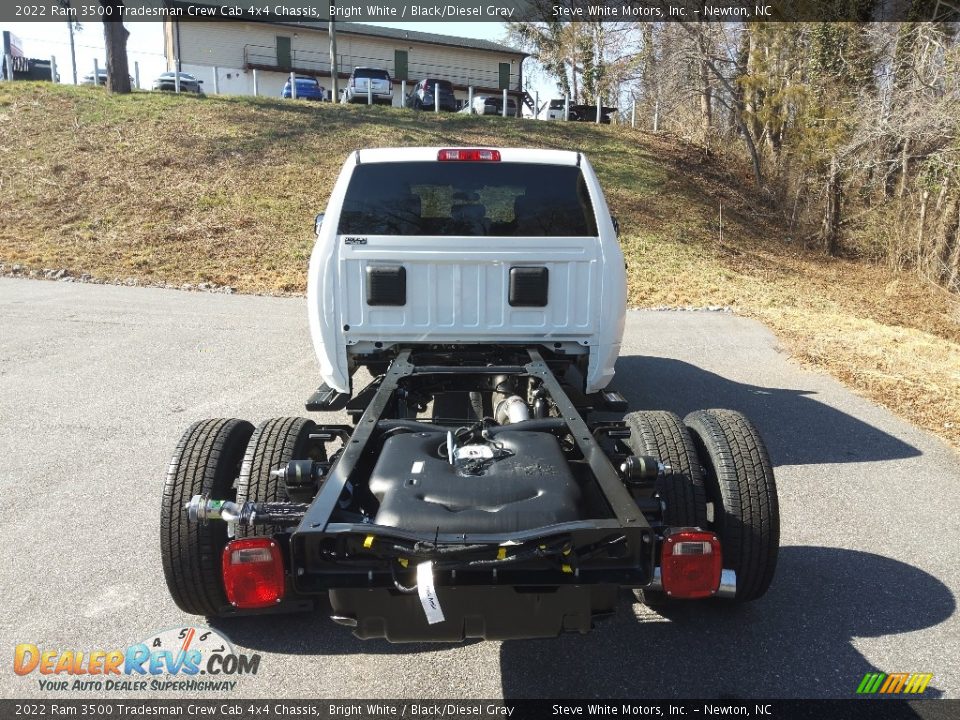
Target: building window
{"x":504,"y":76}
{"x":284,"y":58}
{"x":400,"y":65}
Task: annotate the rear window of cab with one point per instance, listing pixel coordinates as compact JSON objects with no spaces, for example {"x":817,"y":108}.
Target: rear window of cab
{"x":468,"y":199}
{"x":371,"y":73}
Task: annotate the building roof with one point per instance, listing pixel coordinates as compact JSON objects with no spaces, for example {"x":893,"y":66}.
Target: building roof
{"x":409,"y":35}
{"x":384,"y":32}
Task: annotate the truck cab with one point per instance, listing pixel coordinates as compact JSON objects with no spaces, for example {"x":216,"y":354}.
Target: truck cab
{"x":466,"y":246}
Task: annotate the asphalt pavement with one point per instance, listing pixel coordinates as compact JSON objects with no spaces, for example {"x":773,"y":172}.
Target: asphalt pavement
{"x":98,"y":382}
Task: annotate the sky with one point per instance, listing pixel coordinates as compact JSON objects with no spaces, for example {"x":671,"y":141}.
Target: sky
{"x":43,"y":39}
{"x":145,"y":46}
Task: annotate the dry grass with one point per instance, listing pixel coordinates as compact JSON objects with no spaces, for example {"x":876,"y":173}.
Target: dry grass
{"x":181,"y":189}
{"x":224,"y":190}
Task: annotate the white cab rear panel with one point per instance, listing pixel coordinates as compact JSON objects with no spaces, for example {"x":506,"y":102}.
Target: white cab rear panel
{"x":456,"y":291}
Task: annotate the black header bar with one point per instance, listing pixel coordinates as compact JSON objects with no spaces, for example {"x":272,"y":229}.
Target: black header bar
{"x":266,"y":709}
{"x":310,"y":11}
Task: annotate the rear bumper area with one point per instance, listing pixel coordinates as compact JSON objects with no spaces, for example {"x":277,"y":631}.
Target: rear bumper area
{"x":527,"y":585}
{"x":380,"y":98}
{"x":491,"y":613}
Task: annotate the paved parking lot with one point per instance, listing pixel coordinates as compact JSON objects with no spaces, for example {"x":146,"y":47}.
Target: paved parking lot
{"x":98,"y":382}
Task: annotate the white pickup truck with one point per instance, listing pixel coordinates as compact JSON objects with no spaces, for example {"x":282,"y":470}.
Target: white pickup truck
{"x":433,"y":245}
{"x":472,"y":493}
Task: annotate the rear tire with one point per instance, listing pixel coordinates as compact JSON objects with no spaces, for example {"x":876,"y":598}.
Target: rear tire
{"x":663,"y":435}
{"x":274,"y":443}
{"x":206,"y":461}
{"x":740,"y":483}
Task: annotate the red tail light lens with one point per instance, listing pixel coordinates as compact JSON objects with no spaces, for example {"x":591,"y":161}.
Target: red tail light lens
{"x":690,"y":564}
{"x":253,"y":573}
{"x":476,"y":155}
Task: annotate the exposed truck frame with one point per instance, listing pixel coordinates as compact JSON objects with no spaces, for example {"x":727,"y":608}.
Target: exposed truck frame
{"x":475,"y":493}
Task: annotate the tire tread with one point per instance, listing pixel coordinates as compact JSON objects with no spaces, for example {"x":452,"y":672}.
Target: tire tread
{"x":204,"y":461}
{"x":748,"y":516}
{"x":663,"y":435}
{"x":274,"y":443}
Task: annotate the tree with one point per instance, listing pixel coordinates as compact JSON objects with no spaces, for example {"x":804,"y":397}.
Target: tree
{"x":586,"y":59}
{"x":546,"y":42}
{"x":115,"y":40}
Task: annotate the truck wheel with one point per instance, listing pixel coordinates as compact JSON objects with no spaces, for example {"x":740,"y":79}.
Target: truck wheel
{"x":663,"y":435}
{"x":207,"y":460}
{"x":274,"y":443}
{"x":739,"y":480}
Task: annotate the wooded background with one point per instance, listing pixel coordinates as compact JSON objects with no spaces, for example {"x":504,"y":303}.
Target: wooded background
{"x":851,"y":129}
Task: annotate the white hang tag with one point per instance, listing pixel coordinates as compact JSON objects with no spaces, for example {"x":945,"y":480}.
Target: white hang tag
{"x":428,"y":593}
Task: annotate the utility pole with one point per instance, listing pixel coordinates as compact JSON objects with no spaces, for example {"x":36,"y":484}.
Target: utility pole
{"x":334,"y":79}
{"x":73,"y":49}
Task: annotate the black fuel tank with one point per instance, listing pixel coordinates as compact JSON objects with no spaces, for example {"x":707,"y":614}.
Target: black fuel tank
{"x":529,"y":488}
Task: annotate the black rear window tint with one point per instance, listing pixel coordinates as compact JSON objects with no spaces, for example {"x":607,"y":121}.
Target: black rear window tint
{"x":375,"y":74}
{"x":467,"y":198}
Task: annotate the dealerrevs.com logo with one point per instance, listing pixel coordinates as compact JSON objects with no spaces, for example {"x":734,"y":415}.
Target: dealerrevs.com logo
{"x":185,"y":659}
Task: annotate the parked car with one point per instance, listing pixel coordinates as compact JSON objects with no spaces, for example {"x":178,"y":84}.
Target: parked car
{"x":423,"y":95}
{"x":101,"y":78}
{"x":188,"y":83}
{"x":588,"y":113}
{"x":307,"y":89}
{"x":491,"y":105}
{"x":553,"y":110}
{"x":360,"y":78}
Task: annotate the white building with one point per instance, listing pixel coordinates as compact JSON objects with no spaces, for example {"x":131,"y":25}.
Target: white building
{"x":274,"y":49}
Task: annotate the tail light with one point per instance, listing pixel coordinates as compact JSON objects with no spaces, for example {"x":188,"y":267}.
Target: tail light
{"x":477,"y":155}
{"x":253,"y":573}
{"x":690,"y":564}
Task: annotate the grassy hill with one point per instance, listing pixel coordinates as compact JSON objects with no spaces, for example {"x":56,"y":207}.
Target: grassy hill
{"x":174,"y":189}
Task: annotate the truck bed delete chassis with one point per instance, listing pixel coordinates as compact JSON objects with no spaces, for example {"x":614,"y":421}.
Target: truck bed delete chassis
{"x":535,"y":582}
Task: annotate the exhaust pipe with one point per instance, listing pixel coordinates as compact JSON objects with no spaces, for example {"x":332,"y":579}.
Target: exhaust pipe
{"x":512,"y":410}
